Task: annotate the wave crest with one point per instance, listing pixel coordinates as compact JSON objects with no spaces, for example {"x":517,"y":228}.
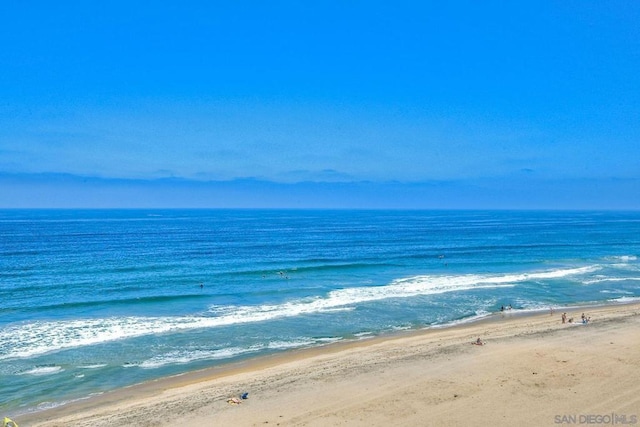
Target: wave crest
{"x":35,"y":338}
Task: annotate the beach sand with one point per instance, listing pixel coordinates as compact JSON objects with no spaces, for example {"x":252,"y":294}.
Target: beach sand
{"x":532,"y":371}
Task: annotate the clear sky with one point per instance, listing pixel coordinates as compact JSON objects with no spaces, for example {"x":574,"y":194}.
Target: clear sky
{"x":418,"y":104}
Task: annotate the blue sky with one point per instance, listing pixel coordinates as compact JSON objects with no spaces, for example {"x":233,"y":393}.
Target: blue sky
{"x":354,"y":104}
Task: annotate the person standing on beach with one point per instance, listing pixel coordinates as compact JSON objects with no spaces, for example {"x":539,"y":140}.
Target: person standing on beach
{"x":564,"y":317}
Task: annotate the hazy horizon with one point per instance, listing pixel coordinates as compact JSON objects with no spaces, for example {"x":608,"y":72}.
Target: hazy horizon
{"x":533,"y":105}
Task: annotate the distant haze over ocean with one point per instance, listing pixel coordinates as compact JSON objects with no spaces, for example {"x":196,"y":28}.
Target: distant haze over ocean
{"x":517,"y":192}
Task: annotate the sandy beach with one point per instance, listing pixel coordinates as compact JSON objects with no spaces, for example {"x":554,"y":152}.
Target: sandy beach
{"x":532,"y":371}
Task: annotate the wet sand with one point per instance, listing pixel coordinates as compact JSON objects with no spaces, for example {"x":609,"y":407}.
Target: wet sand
{"x":532,"y":371}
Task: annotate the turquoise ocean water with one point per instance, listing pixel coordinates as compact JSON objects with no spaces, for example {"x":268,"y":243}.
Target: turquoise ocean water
{"x":99,"y":299}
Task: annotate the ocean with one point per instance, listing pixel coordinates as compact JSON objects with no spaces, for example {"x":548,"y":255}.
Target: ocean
{"x":94,"y":300}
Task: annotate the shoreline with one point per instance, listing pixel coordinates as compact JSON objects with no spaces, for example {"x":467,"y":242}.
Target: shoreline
{"x":231,"y":367}
{"x":152,"y":402}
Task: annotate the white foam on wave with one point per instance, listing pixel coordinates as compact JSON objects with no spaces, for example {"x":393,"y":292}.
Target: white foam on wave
{"x":623,"y":258}
{"x":526,"y":306}
{"x":610,"y":279}
{"x":43,"y":370}
{"x":364,"y":335}
{"x":186,"y":356}
{"x":42,"y":406}
{"x":625,"y":299}
{"x":346,"y":299}
{"x":615,"y":291}
{"x":189,"y":355}
{"x":557,"y":274}
{"x":35,"y":338}
{"x":478,"y":315}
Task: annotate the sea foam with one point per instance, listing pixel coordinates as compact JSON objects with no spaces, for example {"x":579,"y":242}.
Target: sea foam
{"x":43,"y":370}
{"x":39,"y":337}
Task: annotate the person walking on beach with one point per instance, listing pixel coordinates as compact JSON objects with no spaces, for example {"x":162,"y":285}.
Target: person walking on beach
{"x":564,"y":317}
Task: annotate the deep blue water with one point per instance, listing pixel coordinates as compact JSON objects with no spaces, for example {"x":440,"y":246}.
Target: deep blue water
{"x":99,"y":299}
